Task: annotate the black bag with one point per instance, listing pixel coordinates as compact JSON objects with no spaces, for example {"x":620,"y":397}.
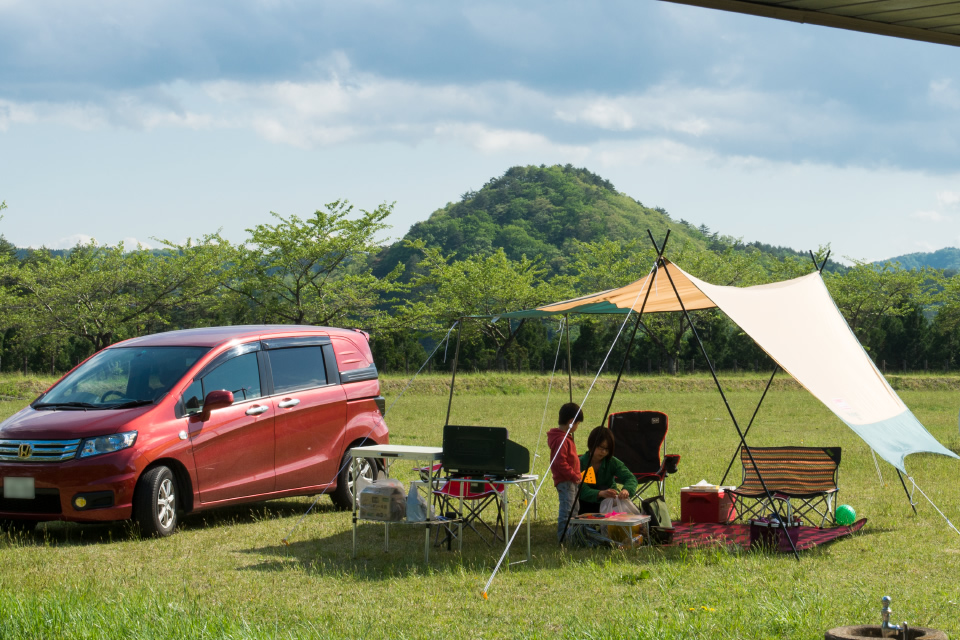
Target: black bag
{"x":661,"y":526}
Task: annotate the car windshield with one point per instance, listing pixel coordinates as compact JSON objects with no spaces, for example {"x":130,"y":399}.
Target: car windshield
{"x":122,"y":377}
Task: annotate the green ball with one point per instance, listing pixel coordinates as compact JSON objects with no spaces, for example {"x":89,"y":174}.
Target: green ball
{"x":845,"y":514}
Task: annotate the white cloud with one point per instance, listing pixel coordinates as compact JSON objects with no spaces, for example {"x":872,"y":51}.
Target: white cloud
{"x":931,"y":216}
{"x":70,"y":242}
{"x":943,"y":93}
{"x":948,"y":198}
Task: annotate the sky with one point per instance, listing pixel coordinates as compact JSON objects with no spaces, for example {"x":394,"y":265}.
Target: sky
{"x":141,"y":122}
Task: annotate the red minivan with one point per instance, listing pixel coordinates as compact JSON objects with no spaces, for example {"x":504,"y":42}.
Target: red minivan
{"x":158,"y":426}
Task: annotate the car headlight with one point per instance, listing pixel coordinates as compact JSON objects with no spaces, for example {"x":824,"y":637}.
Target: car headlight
{"x":107,"y":444}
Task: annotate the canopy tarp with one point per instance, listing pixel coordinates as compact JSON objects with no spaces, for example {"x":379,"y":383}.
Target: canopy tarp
{"x":798,"y":325}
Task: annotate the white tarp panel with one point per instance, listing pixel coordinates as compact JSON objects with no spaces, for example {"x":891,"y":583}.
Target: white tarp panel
{"x":797,"y":323}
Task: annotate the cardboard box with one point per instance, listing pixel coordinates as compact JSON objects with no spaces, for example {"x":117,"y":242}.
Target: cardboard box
{"x":715,"y":505}
{"x":382,"y":501}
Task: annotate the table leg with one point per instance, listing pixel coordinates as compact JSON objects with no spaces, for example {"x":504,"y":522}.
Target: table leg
{"x":426,"y":543}
{"x":528,"y":539}
{"x":353,"y":467}
{"x":506,"y":517}
{"x":386,"y":536}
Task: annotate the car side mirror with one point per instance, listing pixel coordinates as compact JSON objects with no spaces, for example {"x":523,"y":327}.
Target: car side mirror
{"x":217,"y":399}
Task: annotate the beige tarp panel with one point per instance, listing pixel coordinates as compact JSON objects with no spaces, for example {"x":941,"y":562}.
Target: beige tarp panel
{"x":662,"y":297}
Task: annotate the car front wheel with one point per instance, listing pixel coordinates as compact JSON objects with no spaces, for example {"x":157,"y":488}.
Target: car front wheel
{"x":342,"y":496}
{"x":155,"y":502}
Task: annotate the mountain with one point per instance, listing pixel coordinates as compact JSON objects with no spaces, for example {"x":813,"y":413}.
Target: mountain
{"x":947,"y":258}
{"x":538,"y":211}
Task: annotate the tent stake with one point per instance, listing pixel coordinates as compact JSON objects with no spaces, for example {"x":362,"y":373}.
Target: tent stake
{"x":453,"y":379}
{"x":736,"y":425}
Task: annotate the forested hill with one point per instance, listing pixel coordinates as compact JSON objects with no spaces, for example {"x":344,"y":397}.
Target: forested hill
{"x":947,"y":258}
{"x":538,"y":211}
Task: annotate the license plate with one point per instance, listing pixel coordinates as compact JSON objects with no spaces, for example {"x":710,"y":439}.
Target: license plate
{"x":19,"y":488}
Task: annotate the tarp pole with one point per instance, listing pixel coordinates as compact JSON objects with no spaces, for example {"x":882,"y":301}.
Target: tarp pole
{"x":776,"y":367}
{"x":736,"y":425}
{"x":569,"y":361}
{"x":626,"y":356}
{"x":907,"y":491}
{"x":456,"y":361}
{"x":623,"y":364}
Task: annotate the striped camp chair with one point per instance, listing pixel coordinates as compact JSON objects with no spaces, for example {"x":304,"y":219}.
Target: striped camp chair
{"x":805,"y":478}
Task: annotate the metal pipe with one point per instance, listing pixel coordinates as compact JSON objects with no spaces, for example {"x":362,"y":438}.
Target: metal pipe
{"x":456,"y":360}
{"x":776,"y":368}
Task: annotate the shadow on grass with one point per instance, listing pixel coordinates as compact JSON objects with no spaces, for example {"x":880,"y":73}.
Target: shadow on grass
{"x":80,"y":534}
{"x":333,"y":554}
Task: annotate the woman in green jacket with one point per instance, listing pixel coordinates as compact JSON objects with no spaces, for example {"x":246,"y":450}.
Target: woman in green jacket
{"x":608,"y":471}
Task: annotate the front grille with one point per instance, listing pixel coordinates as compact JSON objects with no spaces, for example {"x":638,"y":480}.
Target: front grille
{"x":38,"y":450}
{"x":47,"y":502}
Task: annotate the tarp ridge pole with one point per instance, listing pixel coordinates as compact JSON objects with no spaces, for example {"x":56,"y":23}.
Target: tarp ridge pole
{"x":566,"y":319}
{"x":652,"y":276}
{"x":776,"y":367}
{"x":456,"y":361}
{"x":905,"y":490}
{"x":736,"y":425}
{"x":819,"y":267}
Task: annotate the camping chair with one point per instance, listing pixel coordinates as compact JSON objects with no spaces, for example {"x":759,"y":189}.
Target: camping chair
{"x":804,"y":478}
{"x":467,"y":498}
{"x":640,"y":438}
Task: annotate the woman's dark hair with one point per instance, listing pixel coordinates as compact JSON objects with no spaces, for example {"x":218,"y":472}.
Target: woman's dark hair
{"x":570,"y":412}
{"x":601,"y":435}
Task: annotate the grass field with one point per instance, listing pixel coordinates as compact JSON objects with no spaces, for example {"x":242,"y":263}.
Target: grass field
{"x":227,"y":574}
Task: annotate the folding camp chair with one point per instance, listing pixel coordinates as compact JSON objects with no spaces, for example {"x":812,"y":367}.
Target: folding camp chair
{"x":804,"y":478}
{"x":467,"y":498}
{"x":640,"y":438}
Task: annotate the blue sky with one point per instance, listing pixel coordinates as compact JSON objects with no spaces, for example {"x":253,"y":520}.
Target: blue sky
{"x":127,"y":121}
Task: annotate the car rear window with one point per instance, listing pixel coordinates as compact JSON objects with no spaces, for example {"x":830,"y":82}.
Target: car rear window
{"x":297,"y":368}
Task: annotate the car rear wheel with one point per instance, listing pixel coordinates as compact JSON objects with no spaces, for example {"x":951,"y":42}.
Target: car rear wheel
{"x":342,"y":496}
{"x":155,"y":502}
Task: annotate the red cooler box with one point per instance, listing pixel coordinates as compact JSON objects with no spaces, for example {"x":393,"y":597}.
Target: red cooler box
{"x":706,"y":504}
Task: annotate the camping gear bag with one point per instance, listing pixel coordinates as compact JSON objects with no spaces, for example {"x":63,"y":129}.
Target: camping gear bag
{"x":618,"y":505}
{"x":661,"y":526}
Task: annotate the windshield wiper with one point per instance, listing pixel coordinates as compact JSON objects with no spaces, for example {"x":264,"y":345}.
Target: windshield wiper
{"x":128,"y":404}
{"x":66,"y":405}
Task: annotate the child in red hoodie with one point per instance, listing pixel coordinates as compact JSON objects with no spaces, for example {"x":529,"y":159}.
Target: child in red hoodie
{"x":566,"y":477}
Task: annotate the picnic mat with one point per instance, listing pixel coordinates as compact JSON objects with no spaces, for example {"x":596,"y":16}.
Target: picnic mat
{"x":705,"y":534}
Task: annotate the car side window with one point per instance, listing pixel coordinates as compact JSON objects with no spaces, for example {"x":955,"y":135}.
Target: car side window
{"x":241,"y":375}
{"x":297,"y":368}
{"x":193,"y":398}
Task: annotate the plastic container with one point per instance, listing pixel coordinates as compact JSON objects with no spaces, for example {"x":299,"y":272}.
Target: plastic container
{"x":702,"y":505}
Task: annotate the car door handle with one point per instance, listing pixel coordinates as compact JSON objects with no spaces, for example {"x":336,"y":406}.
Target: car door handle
{"x":286,"y":404}
{"x":257,"y":410}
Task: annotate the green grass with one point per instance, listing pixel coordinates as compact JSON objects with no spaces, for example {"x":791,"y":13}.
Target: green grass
{"x":227,"y":574}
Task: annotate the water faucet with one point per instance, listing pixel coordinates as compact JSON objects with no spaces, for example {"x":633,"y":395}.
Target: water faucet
{"x":888,"y":630}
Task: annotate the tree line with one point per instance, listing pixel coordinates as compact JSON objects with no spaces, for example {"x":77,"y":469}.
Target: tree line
{"x":328,"y":269}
